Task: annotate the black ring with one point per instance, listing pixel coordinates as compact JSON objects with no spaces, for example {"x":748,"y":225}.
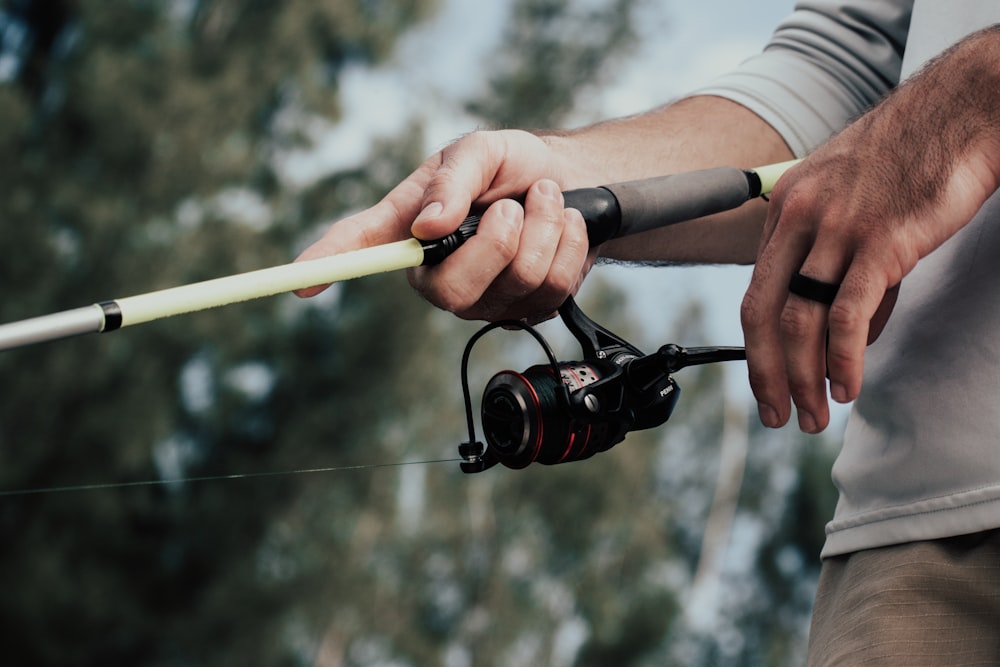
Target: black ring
{"x":812,"y":289}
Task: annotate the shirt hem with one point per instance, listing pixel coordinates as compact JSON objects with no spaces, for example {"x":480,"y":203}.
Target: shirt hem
{"x":958,"y":514}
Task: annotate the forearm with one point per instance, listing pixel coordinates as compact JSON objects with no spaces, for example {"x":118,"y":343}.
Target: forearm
{"x":694,"y":133}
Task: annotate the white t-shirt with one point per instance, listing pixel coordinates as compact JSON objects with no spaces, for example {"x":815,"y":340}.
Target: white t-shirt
{"x":921,"y":453}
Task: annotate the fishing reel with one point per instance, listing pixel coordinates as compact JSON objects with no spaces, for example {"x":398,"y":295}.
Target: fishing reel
{"x":564,"y":411}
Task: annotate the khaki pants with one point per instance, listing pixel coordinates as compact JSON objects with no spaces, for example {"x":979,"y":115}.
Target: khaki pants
{"x":922,"y":603}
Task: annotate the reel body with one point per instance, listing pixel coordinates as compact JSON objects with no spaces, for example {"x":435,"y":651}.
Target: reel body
{"x":568,"y":411}
{"x":537,"y":416}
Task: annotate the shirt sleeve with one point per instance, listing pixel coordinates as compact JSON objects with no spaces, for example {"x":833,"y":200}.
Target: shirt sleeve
{"x":826,"y":64}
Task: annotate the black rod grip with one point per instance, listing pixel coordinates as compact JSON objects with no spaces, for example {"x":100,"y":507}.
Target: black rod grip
{"x":666,"y":200}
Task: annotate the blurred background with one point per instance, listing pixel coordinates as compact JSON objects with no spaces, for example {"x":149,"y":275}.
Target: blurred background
{"x":148,"y":144}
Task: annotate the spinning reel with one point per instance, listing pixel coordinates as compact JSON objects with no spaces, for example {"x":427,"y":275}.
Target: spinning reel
{"x":568,"y":411}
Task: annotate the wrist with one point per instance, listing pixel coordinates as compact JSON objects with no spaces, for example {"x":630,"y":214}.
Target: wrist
{"x":574,"y":164}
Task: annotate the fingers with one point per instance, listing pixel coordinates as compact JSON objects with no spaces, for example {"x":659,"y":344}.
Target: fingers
{"x":553,"y":248}
{"x":797,"y":342}
{"x":434,"y":199}
{"x":761,"y":315}
{"x":386,"y":222}
{"x":521,"y":264}
{"x":803,"y":324}
{"x":458,"y":283}
{"x":481,"y":167}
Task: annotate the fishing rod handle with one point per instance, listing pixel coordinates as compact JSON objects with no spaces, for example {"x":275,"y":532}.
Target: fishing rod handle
{"x":623,"y":209}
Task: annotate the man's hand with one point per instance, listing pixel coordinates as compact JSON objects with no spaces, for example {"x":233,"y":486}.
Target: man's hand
{"x":860,"y":212}
{"x":524,"y":260}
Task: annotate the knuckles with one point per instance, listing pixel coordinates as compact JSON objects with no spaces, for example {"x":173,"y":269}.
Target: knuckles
{"x":559,"y":284}
{"x":842,"y":317}
{"x":839,"y":362}
{"x":503,"y":242}
{"x":751,"y":315}
{"x":525,"y":275}
{"x":441,"y":294}
{"x":797,"y":324}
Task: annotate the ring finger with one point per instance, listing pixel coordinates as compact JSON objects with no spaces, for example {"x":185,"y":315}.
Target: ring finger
{"x":804,"y":326}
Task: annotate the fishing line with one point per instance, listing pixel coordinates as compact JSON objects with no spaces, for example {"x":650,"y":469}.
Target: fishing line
{"x":212,"y":478}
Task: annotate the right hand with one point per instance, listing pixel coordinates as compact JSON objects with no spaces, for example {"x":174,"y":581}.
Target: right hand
{"x":860,"y":212}
{"x":524,"y":259}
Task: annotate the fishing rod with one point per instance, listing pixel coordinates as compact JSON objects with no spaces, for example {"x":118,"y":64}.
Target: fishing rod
{"x":610,"y":211}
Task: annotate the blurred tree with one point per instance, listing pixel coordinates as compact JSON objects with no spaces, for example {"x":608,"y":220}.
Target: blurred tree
{"x":140,"y":139}
{"x":579,"y":44}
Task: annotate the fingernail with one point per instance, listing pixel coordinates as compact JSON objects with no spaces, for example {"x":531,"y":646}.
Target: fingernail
{"x":430,"y":212}
{"x":549,"y":189}
{"x":838,"y":392}
{"x":510,"y":211}
{"x":768,"y":416}
{"x":807,"y":422}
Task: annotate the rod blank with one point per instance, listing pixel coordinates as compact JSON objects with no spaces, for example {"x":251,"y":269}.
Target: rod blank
{"x":268,"y":282}
{"x":89,"y":319}
{"x":213,"y":293}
